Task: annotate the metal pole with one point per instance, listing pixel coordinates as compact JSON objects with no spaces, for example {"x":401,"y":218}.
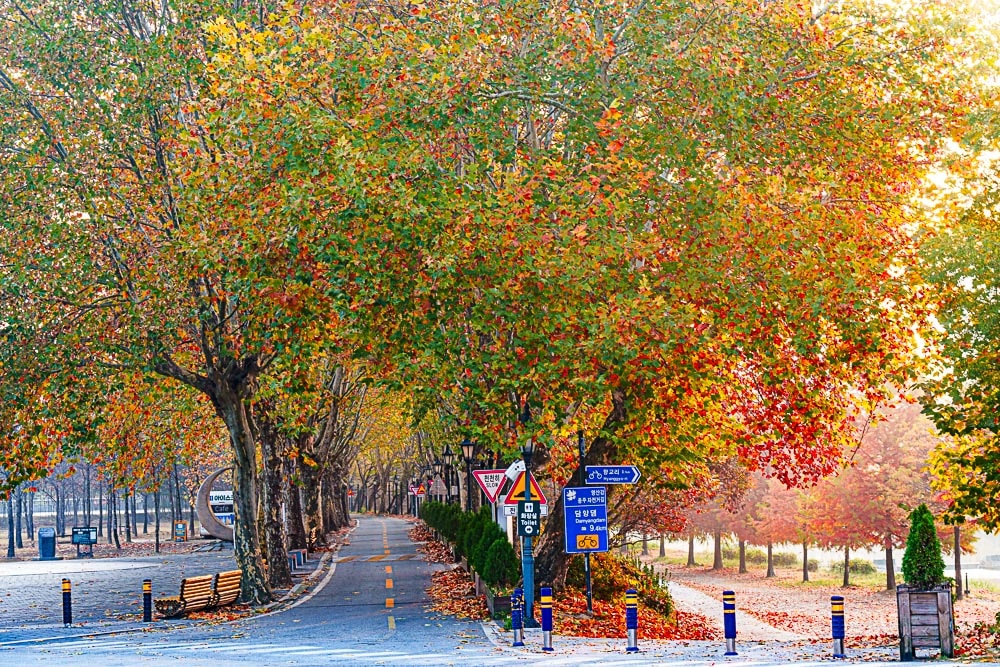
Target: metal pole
{"x":67,"y":595}
{"x":582,"y":448}
{"x":147,"y":600}
{"x":468,"y":485}
{"x":528,"y":558}
{"x":837,"y":613}
{"x":545,"y":604}
{"x":729,"y":621}
{"x":631,"y":620}
{"x":517,"y":616}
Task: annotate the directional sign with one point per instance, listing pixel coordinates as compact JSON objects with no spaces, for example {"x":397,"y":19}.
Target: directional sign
{"x":612,"y":475}
{"x":529,"y":520}
{"x":586,"y":512}
{"x":516,"y":493}
{"x":490,"y":481}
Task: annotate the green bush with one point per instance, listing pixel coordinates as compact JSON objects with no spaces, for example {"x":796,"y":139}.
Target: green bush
{"x":500,"y":567}
{"x":858,"y":566}
{"x":813,"y":565}
{"x":923,"y":565}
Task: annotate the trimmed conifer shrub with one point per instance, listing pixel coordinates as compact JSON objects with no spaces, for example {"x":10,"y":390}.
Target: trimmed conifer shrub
{"x":923,"y":565}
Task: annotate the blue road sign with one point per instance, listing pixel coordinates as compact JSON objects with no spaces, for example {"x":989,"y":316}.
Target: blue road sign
{"x":612,"y":475}
{"x":586,"y":512}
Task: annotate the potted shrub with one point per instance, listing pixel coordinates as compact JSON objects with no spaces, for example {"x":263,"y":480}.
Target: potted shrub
{"x":924,"y":601}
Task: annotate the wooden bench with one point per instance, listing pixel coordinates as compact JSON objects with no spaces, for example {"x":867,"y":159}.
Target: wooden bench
{"x":196,"y":594}
{"x":227,"y":588}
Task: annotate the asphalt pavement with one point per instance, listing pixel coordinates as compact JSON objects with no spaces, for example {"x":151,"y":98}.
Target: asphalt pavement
{"x":367,"y":605}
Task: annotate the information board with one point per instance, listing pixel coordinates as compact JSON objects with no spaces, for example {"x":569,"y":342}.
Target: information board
{"x":586,"y":512}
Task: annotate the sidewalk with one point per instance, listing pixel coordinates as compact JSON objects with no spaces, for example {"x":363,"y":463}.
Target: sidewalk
{"x":107,"y":592}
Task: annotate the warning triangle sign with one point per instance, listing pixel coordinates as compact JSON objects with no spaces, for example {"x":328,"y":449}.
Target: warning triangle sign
{"x":516,"y":493}
{"x":490,"y":481}
{"x":421,"y":490}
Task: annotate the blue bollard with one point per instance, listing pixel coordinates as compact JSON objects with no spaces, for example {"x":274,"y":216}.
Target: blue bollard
{"x":729,"y":621}
{"x":837,"y":611}
{"x":631,"y":619}
{"x":545,"y":604}
{"x":147,"y":600}
{"x":517,"y":617}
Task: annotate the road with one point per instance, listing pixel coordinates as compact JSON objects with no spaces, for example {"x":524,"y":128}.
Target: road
{"x":371,"y":609}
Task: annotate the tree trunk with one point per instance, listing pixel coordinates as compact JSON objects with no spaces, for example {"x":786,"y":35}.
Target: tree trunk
{"x":253,"y":587}
{"x":691,"y":562}
{"x":805,"y":560}
{"x":29,"y":516}
{"x":645,"y":545}
{"x":100,"y":510}
{"x":313,"y":509}
{"x":663,"y":546}
{"x":156,"y":519}
{"x":551,"y":560}
{"x":113,"y":516}
{"x":88,"y":507}
{"x":890,"y":567}
{"x":295,"y":528}
{"x":17,"y":527}
{"x":743,"y":556}
{"x":847,"y":567}
{"x":273,"y":532}
{"x":145,"y":514}
{"x":770,"y":560}
{"x":958,"y":562}
{"x":128,"y":523}
{"x":717,"y":559}
{"x":10,"y":527}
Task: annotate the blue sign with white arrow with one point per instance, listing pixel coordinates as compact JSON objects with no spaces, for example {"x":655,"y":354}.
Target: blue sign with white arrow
{"x":586,"y":514}
{"x":612,"y":475}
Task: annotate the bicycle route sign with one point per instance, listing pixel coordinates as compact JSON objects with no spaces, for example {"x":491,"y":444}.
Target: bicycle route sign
{"x":612,"y":475}
{"x":586,"y":514}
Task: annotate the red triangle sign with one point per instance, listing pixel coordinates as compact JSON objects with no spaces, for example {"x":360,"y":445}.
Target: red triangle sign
{"x":516,"y":493}
{"x":490,"y":481}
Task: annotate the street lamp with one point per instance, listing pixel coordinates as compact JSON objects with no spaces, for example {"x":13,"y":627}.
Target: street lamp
{"x":437,"y":472}
{"x":395,"y":505}
{"x":468,"y":451}
{"x":527,"y":558}
{"x":449,"y":458}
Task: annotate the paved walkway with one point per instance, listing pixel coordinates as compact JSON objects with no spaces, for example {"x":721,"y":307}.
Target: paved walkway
{"x":748,"y":628}
{"x":107,"y":592}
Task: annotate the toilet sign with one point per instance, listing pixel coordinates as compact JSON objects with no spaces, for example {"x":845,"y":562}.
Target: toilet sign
{"x":529,"y":518}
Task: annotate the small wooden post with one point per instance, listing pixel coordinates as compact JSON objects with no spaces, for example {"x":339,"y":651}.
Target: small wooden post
{"x":905,"y":637}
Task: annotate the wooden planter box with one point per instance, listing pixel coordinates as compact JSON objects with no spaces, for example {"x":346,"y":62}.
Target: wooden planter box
{"x":925,"y":620}
{"x":498,"y":603}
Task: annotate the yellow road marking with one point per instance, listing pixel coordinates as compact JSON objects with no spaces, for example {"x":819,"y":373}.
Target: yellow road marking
{"x":392,"y":622}
{"x":390,"y":603}
{"x":388,"y":583}
{"x":388,"y":569}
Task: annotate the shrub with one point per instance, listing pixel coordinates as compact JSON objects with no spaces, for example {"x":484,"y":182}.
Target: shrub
{"x":611,"y":575}
{"x":813,"y":565}
{"x":858,"y":566}
{"x":500,"y":567}
{"x":923,"y":565}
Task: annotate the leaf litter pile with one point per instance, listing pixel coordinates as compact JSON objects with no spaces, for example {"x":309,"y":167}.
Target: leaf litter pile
{"x":453,"y":593}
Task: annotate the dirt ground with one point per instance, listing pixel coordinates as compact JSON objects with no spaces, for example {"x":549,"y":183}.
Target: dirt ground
{"x":804,"y":608}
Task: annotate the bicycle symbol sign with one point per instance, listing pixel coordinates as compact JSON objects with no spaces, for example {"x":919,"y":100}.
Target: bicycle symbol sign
{"x":588,"y":542}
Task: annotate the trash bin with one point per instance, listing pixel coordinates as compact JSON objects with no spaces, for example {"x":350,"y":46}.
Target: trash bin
{"x":46,"y":544}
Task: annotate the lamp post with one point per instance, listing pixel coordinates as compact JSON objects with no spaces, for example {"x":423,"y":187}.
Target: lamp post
{"x":449,"y":457}
{"x":437,"y":472}
{"x":468,"y":451}
{"x":394,"y":506}
{"x":527,"y":558}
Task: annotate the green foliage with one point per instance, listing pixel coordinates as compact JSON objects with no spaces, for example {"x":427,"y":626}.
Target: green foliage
{"x":923,"y":565}
{"x":756,"y":556}
{"x":500,"y":567}
{"x":858,"y":566}
{"x":477,"y":538}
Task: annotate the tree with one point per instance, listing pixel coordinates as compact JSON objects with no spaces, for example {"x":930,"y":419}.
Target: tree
{"x":923,"y":566}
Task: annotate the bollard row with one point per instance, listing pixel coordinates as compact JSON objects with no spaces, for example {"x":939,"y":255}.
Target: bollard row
{"x":67,"y":601}
{"x":729,"y":623}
